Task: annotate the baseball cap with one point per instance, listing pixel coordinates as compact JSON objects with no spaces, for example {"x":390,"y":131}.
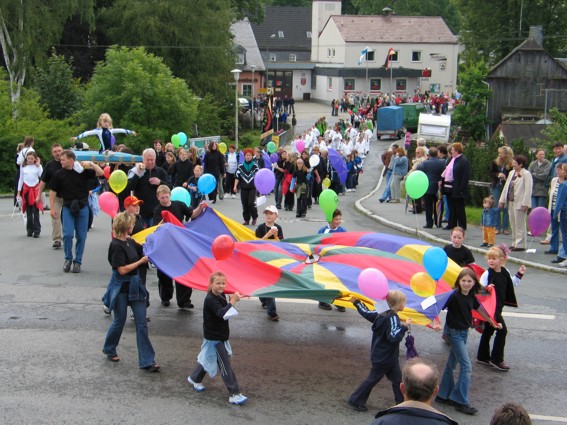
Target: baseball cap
{"x":271,"y":208}
{"x":132,"y":200}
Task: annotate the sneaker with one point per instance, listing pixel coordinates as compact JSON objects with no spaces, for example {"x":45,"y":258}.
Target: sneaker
{"x":358,"y":408}
{"x":246,"y":223}
{"x":501,"y":366}
{"x":186,"y":306}
{"x":274,"y":318}
{"x":67,"y":266}
{"x":237,"y":399}
{"x":105,"y":309}
{"x":340,"y":309}
{"x":165,"y":303}
{"x":253,"y":222}
{"x":468,"y":410}
{"x":484,"y":244}
{"x":76,"y":268}
{"x":36,"y":235}
{"x":557,"y":260}
{"x":325,"y":306}
{"x":442,"y":400}
{"x":233,"y":196}
{"x":56,"y":244}
{"x":484,"y":362}
{"x":562,"y":264}
{"x":197,"y":385}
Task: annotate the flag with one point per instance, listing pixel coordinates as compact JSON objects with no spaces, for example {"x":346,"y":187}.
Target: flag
{"x":363,"y":55}
{"x":390,"y":53}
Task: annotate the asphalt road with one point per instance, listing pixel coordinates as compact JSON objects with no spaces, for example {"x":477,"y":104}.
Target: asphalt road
{"x":297,"y":371}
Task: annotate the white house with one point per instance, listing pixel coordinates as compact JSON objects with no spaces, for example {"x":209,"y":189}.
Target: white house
{"x":424,"y":58}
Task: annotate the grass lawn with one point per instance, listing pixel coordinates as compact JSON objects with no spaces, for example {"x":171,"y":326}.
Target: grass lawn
{"x":474,"y":215}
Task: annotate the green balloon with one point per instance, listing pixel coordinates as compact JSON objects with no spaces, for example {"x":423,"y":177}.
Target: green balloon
{"x":417,"y":184}
{"x":271,"y":146}
{"x":176,"y":140}
{"x":328,"y":201}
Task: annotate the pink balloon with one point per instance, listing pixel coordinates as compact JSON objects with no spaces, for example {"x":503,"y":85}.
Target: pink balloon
{"x":300,"y":145}
{"x":539,"y":220}
{"x":108,"y":202}
{"x":373,"y":283}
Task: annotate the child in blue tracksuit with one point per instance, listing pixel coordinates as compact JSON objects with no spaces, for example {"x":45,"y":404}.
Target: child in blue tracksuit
{"x":387,"y":333}
{"x":488,"y":222}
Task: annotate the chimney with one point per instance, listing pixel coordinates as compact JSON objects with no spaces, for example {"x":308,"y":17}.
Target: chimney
{"x":536,"y":34}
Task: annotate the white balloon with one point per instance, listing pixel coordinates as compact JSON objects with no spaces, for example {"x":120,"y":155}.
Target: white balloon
{"x":314,"y":160}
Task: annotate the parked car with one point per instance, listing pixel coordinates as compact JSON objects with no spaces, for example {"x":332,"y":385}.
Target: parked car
{"x":244,"y":104}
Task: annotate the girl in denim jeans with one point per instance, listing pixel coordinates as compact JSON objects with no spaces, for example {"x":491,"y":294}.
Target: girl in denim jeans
{"x":459,"y":321}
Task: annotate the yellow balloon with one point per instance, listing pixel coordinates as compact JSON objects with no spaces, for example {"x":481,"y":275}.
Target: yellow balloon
{"x":222,"y":147}
{"x":422,"y":284}
{"x":326,"y":182}
{"x":118,"y":181}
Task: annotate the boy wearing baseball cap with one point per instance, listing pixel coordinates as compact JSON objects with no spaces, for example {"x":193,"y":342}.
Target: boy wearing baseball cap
{"x":270,"y":230}
{"x":132,"y":205}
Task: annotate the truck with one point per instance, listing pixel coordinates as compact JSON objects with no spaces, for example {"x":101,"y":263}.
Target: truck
{"x":434,"y":128}
{"x":411,"y":115}
{"x":390,"y":122}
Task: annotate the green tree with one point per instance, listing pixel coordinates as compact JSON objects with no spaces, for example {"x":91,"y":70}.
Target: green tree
{"x":29,"y":28}
{"x":444,"y":8}
{"x":195,"y":42}
{"x":139,"y":92}
{"x":470,"y":115}
{"x":492,"y":29}
{"x":60,"y":93}
{"x":557,"y":131}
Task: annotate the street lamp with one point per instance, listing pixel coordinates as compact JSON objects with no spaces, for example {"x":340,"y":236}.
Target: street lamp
{"x":236,"y":73}
{"x":253,"y":67}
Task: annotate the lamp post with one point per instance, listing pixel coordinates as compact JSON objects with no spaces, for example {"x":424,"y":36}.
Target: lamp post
{"x":253,"y":67}
{"x":268,"y":61}
{"x":236,"y":73}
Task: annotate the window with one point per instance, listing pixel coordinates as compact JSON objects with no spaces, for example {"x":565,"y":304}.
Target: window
{"x":435,"y":88}
{"x":401,"y":84}
{"x":246,"y":90}
{"x":375,"y":84}
{"x":349,"y":84}
{"x":330,"y":53}
{"x":370,"y":56}
{"x":280,"y":34}
{"x":329,"y":83}
{"x":416,"y":56}
{"x":240,"y":58}
{"x":273,"y":57}
{"x":292,"y":57}
{"x":308,"y":34}
{"x":394,"y":57}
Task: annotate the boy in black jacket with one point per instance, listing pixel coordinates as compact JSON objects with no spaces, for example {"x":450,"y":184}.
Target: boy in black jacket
{"x":387,"y":333}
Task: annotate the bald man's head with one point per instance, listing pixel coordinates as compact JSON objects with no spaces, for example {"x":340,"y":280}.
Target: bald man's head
{"x":420,"y":380}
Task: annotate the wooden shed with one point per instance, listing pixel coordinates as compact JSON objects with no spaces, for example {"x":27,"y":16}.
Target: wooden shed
{"x":527,"y":82}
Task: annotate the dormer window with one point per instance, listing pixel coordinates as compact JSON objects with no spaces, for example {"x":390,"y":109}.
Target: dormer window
{"x":280,"y":34}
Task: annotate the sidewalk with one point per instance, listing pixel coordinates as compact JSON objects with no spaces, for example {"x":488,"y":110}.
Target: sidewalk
{"x":395,"y":216}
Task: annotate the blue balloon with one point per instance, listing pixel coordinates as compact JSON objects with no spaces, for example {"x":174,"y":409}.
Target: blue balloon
{"x":206,"y":183}
{"x":182,"y":138}
{"x":435,"y":262}
{"x":181,"y":194}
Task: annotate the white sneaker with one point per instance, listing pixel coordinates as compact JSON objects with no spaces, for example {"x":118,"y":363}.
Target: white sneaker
{"x":562,"y":264}
{"x":233,"y":196}
{"x":237,"y":399}
{"x":198,"y":386}
{"x":105,"y":309}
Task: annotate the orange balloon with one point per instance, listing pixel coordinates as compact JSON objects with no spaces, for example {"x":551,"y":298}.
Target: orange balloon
{"x":422,"y":284}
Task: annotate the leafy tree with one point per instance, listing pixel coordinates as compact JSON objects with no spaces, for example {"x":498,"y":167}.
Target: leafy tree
{"x":29,"y":28}
{"x":195,"y":42}
{"x":60,"y":93}
{"x":471,"y":114}
{"x":491,"y":29}
{"x":557,"y":131}
{"x":443,"y":8}
{"x":139,"y":92}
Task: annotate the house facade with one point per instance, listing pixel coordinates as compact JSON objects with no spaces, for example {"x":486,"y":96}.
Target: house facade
{"x":248,"y":59}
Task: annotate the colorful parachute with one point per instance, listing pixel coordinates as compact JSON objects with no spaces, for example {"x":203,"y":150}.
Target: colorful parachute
{"x":320,"y":267}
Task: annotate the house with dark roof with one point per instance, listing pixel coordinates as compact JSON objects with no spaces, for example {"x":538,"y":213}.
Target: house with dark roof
{"x":350,"y":51}
{"x":284,"y":40}
{"x":248,"y":59}
{"x":526,"y":83}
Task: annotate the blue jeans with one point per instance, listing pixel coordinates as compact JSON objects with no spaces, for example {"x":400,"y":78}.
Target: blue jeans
{"x":539,"y":201}
{"x":146,"y":354}
{"x":149,"y":221}
{"x":554,"y":241}
{"x":563,"y":227}
{"x":387,"y":194}
{"x":270,"y":305}
{"x":75,"y":226}
{"x":500,"y":214}
{"x":458,"y":392}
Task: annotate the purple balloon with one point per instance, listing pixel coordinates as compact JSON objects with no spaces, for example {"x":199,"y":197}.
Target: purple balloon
{"x":539,"y":220}
{"x":264,"y":180}
{"x":274,"y":157}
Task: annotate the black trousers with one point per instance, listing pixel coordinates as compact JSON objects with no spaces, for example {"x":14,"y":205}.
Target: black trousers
{"x":165,"y":287}
{"x":429,"y":201}
{"x":458,"y":216}
{"x":248,"y":200}
{"x":33,"y":226}
{"x":497,"y":355}
{"x":225,"y":368}
{"x":393,"y":372}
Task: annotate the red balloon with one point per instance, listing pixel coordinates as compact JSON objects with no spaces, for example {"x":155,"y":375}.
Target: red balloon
{"x":108,"y":202}
{"x":106,"y":172}
{"x":223,"y":246}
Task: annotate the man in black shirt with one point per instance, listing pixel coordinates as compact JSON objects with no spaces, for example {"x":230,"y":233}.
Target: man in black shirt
{"x":49,"y":170}
{"x":72,"y":186}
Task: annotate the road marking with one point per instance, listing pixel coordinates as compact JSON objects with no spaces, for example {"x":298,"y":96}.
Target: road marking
{"x":529,"y":315}
{"x":548,"y":418}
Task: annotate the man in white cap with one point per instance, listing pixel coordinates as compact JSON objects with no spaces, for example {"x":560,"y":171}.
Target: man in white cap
{"x":270,"y":230}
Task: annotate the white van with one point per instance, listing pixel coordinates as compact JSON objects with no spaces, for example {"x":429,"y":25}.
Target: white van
{"x":435,"y":128}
